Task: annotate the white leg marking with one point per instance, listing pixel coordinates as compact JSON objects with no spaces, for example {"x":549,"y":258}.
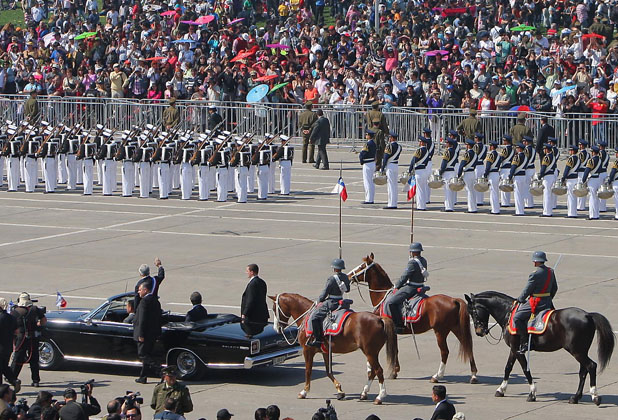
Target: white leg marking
{"x":502,"y":387}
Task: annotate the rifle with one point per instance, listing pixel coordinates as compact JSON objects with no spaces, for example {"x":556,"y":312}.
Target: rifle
{"x":255,"y":157}
{"x":50,"y":135}
{"x":239,"y":148}
{"x":127,"y":139}
{"x":203,"y":143}
{"x":170,"y":135}
{"x":97,"y":133}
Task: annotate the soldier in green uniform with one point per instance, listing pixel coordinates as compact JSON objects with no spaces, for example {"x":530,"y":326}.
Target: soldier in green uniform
{"x":470,"y":126}
{"x":519,"y":130}
{"x":306,"y":119}
{"x":171,"y":388}
{"x":31,"y":107}
{"x":376,"y":121}
{"x":171,"y":116}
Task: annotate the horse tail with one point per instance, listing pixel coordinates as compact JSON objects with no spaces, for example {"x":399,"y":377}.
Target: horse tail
{"x":606,"y":339}
{"x":391,"y":344}
{"x":465,"y":344}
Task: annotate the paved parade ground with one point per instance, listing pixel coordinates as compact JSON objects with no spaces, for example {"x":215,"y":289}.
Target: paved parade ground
{"x":89,"y":248}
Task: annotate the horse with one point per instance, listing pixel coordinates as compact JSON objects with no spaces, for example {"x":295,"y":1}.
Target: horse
{"x":361,"y":330}
{"x":571,"y":329}
{"x":442,"y":314}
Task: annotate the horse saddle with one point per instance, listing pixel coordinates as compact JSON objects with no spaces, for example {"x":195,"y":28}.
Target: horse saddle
{"x":333,"y":323}
{"x":537,"y":323}
{"x":412,"y":309}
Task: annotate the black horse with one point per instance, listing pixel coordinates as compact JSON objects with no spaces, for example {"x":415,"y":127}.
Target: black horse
{"x":571,"y":329}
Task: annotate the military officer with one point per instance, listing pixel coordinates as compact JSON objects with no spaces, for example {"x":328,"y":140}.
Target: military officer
{"x":263,"y":174}
{"x":604,"y":165}
{"x":492,"y":173}
{"x":285,"y":165}
{"x":12,"y":162}
{"x":519,"y":130}
{"x":367,"y":158}
{"x":221,"y":172}
{"x":171,"y":115}
{"x":31,"y":107}
{"x":142,"y":159}
{"x":536,"y":297}
{"x":214,"y":118}
{"x":124,"y":155}
{"x":376,"y":121}
{"x":336,"y":286}
{"x":431,"y":148}
{"x":171,"y":388}
{"x":518,"y":176}
{"x":507,"y":153}
{"x":530,"y":152}
{"x":548,"y":175}
{"x":85,"y":155}
{"x":50,"y":165}
{"x":450,"y":160}
{"x":569,"y":177}
{"x":592,"y":176}
{"x":470,"y":125}
{"x":481,"y":153}
{"x":390,"y":166}
{"x":411,"y":280}
{"x":306,"y":119}
{"x":467,"y":168}
{"x":613,"y":182}
{"x":419,"y":167}
{"x":553,"y":142}
{"x":583,"y":156}
{"x":31,"y":167}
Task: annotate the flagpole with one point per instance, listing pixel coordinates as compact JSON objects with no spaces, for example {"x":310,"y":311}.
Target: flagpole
{"x":412,"y":220}
{"x":340,"y":177}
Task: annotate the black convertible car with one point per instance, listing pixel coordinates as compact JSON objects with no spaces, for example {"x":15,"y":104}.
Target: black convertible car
{"x":218,"y":342}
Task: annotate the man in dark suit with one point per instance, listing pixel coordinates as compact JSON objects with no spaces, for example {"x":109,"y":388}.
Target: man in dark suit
{"x":320,"y":136}
{"x":153,"y":281}
{"x":444,"y":409}
{"x":545,"y":132}
{"x":198,"y":312}
{"x":146,"y":328}
{"x":253,"y":309}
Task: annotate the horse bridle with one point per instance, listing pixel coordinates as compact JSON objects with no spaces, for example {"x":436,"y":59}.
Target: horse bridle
{"x":354,"y":274}
{"x":484,"y":328}
{"x":277,"y":324}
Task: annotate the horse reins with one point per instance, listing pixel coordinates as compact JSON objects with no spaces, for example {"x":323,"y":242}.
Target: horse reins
{"x":354,"y":274}
{"x":288,"y":323}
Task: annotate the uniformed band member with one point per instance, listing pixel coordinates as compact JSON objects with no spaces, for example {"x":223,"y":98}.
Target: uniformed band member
{"x":376,"y":121}
{"x":492,"y":173}
{"x":518,"y":176}
{"x":336,"y":286}
{"x":583,"y":156}
{"x":548,"y":174}
{"x":507,"y":153}
{"x":412,"y":279}
{"x":612,"y":180}
{"x":450,"y":160}
{"x":530,"y":152}
{"x":480,"y":150}
{"x":604,"y":165}
{"x":467,"y":168}
{"x":390,"y":165}
{"x":367,"y":158}
{"x":592,"y":175}
{"x":569,"y":177}
{"x":536,"y":297}
{"x":306,"y":119}
{"x":419,"y":166}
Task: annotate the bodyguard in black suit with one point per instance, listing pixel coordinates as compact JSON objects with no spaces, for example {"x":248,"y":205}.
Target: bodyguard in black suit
{"x":545,"y":132}
{"x":320,"y":136}
{"x":198,"y":312}
{"x":146,"y":328}
{"x":253,"y":308}
{"x":444,"y":409}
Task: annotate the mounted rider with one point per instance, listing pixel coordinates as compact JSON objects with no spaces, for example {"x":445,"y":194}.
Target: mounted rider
{"x":410,"y":284}
{"x":536,"y":297}
{"x":336,"y":286}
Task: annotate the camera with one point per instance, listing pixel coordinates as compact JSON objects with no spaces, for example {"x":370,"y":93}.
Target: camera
{"x":84,"y":386}
{"x":131,"y":399}
{"x":21,"y":406}
{"x":328,"y":412}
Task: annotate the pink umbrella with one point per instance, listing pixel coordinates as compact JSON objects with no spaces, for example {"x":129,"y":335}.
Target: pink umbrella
{"x":203,"y":20}
{"x":281,"y":46}
{"x":436,"y":52}
{"x":190,"y":22}
{"x":169,"y":13}
{"x":236,"y":21}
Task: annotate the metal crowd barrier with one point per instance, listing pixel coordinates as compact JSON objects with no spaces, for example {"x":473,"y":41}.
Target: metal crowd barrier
{"x":347,"y":122}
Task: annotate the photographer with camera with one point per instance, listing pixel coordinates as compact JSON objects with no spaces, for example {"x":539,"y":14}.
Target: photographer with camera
{"x":30,"y":319}
{"x":325,"y":413}
{"x":171,"y":388}
{"x":43,"y":400}
{"x":72,"y":410}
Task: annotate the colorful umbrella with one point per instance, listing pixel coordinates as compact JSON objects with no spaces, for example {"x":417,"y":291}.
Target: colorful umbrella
{"x":436,"y":52}
{"x":522,"y":108}
{"x":190,"y":22}
{"x":236,"y":21}
{"x":280,"y":46}
{"x":279,"y":86}
{"x":169,"y":13}
{"x":156,"y":58}
{"x":564,"y":89}
{"x":181,"y":41}
{"x":266,"y":78}
{"x":242,"y":55}
{"x":521,"y":28}
{"x":592,"y":35}
{"x":257,"y":93}
{"x":85,"y":35}
{"x":203,"y":20}
{"x":49,"y":38}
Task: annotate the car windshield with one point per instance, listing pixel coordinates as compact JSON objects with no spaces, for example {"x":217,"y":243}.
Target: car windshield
{"x":114,"y":310}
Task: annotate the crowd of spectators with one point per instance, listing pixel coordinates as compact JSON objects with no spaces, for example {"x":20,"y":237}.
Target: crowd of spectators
{"x":481,"y":54}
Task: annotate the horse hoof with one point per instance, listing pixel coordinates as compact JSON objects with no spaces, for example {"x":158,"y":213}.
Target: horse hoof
{"x":597,"y":400}
{"x":363,"y":396}
{"x":393,"y":376}
{"x":377,"y":401}
{"x":341,"y":396}
{"x":474,"y":380}
{"x":301,"y":396}
{"x":531,"y":398}
{"x":499,"y":394}
{"x":573,"y":400}
{"x":434,"y":380}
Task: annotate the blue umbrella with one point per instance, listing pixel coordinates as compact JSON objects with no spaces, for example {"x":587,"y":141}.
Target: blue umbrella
{"x":257,"y":93}
{"x":564,"y":89}
{"x":180,"y":41}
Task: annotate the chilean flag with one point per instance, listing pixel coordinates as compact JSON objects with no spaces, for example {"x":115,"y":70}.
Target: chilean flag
{"x":340,"y":189}
{"x":411,"y":188}
{"x":60,"y":301}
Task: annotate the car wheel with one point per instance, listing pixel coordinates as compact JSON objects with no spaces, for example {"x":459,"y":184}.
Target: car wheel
{"x":188,"y":364}
{"x":49,"y":355}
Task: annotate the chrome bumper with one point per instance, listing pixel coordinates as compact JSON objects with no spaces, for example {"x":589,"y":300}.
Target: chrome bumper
{"x":274,"y":358}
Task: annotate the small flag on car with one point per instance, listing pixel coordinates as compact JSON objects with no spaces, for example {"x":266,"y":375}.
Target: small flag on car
{"x":340,"y":189}
{"x":60,"y":301}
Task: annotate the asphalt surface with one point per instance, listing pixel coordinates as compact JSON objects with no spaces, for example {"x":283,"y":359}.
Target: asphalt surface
{"x":89,"y":248}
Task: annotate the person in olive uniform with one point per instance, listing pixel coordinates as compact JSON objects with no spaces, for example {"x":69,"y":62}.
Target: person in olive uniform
{"x":519,"y":130}
{"x":376,"y":121}
{"x":171,"y":388}
{"x":470,"y":126}
{"x":306,"y":119}
{"x":171,"y":116}
{"x":536,"y":297}
{"x":31,"y":107}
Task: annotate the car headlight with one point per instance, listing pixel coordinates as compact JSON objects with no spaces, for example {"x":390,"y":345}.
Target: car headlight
{"x":255,"y":346}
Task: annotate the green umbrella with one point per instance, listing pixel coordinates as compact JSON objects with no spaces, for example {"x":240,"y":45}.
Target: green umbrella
{"x":523,"y":28}
{"x":279,"y":86}
{"x":85,"y":35}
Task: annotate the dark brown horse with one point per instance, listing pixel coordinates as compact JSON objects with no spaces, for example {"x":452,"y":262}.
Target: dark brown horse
{"x":361,"y":330}
{"x":571,"y":329}
{"x":442,"y":314}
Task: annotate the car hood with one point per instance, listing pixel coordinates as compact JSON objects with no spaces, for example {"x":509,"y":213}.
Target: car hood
{"x":72,"y":314}
{"x":234,"y":331}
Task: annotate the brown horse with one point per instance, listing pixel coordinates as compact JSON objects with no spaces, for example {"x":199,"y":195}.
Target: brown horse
{"x":442,"y":314}
{"x":361,"y":330}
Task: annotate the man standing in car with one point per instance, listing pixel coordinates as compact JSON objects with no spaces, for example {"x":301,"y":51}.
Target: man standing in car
{"x":253,"y":308}
{"x":146,"y":328}
{"x":153,"y":281}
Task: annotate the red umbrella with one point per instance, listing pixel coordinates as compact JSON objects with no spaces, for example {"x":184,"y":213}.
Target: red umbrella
{"x":156,"y":58}
{"x":266,"y":78}
{"x":242,"y":55}
{"x":169,"y":13}
{"x":203,"y":20}
{"x":592,"y":35}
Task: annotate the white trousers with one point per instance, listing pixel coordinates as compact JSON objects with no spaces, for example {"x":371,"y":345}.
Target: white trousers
{"x":221,"y":179}
{"x":30,"y":173}
{"x":203,"y":181}
{"x":2,"y":160}
{"x":392,"y":178}
{"x":163,"y":173}
{"x":422,"y":188}
{"x":79,"y":170}
{"x":548,"y":196}
{"x":71,"y":163}
{"x":285,"y":176}
{"x":469,"y":179}
{"x":12,"y":173}
{"x":505,"y":197}
{"x":186,"y":181}
{"x":231,"y":185}
{"x":272,"y":168}
{"x":175,"y":168}
{"x":62,"y":168}
{"x":144,"y":179}
{"x":137,"y":174}
{"x":251,"y":179}
{"x":241,"y":173}
{"x":593,"y":198}
{"x":494,"y":197}
{"x":429,"y":171}
{"x":522,"y":187}
{"x":50,"y":173}
{"x":370,"y":188}
{"x":262,"y":179}
{"x":108,"y":168}
{"x":602,"y":203}
{"x":529,"y":198}
{"x":479,"y":171}
{"x":450,"y":196}
{"x":154,"y":172}
{"x":615,"y":188}
{"x":554,"y":196}
{"x":581,"y":201}
{"x":571,"y":198}
{"x":99,"y":172}
{"x":128,"y":178}
{"x":88,"y":175}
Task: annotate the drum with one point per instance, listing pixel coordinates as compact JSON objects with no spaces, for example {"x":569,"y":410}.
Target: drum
{"x":605,"y":192}
{"x":536,"y":187}
{"x":581,"y":189}
{"x":379,"y":178}
{"x":506,"y":186}
{"x":403,"y":179}
{"x":456,"y":184}
{"x":265,"y":157}
{"x":481,"y":184}
{"x":288,"y":153}
{"x":436,"y":180}
{"x":559,"y":187}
